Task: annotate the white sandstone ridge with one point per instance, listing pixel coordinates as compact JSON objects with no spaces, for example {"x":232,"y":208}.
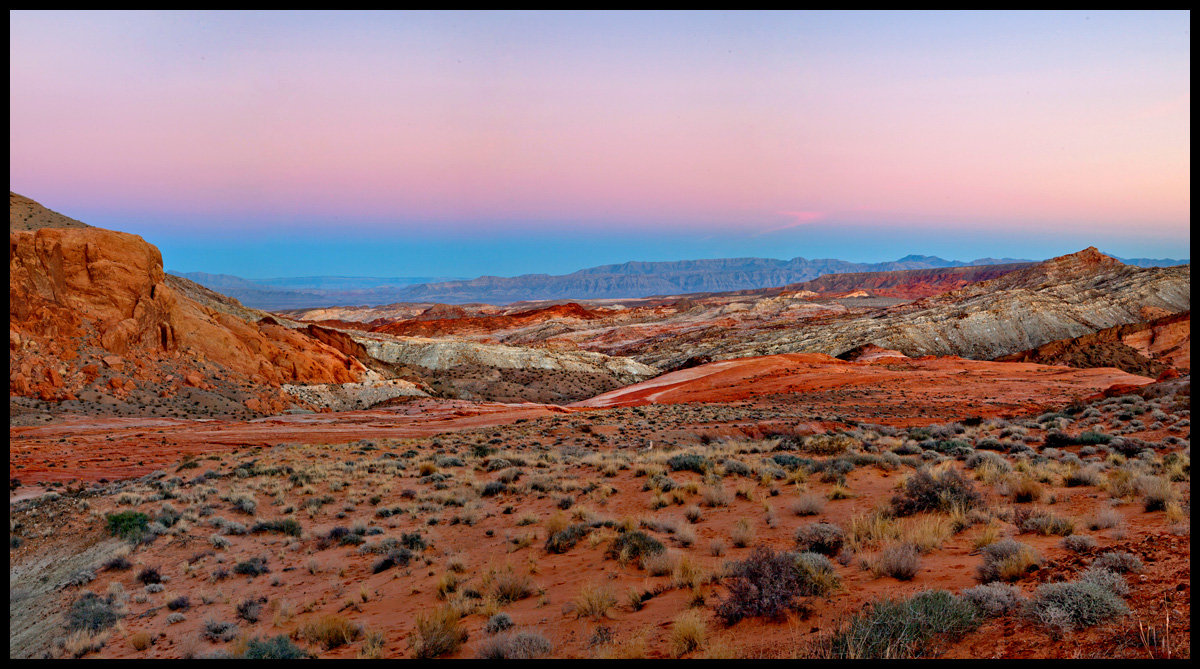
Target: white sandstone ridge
{"x":443,"y":354}
{"x":350,"y":396}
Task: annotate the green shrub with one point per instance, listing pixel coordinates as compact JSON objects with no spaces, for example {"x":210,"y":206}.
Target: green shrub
{"x":276,"y":648}
{"x":129,"y":525}
{"x":288,"y":526}
{"x":92,"y":613}
{"x":688,"y":462}
{"x":634,"y":545}
{"x":902,"y":629}
{"x":565,"y":539}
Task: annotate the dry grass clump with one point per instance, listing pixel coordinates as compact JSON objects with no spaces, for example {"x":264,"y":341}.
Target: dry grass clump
{"x":900,"y":561}
{"x":808,"y":504}
{"x":515,"y":646}
{"x":594,"y":601}
{"x":1023,"y":489}
{"x":330,"y":631}
{"x":1007,"y":560}
{"x":81,"y":642}
{"x":688,"y":632}
{"x":438,"y":633}
{"x":509,"y":586}
{"x":743,"y":533}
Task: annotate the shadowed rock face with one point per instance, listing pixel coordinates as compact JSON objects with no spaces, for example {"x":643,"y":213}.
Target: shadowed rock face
{"x":1148,"y":348}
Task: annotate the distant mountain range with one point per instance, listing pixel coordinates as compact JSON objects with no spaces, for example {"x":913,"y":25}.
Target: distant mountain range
{"x":625,"y":280}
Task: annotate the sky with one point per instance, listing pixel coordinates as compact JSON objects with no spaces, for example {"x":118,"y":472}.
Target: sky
{"x":268,"y":144}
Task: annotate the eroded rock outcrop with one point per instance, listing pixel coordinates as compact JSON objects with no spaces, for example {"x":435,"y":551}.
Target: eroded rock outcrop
{"x":83,"y":298}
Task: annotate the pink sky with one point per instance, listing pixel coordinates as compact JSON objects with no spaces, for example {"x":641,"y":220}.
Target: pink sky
{"x":677,"y":121}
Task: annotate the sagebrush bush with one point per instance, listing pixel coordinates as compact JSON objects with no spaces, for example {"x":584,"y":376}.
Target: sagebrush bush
{"x":1078,"y":543}
{"x":331,"y":631}
{"x":688,"y":462}
{"x":1042,"y":522}
{"x":633,"y":545}
{"x":1007,"y":560}
{"x":275,"y":648}
{"x":1074,"y":604}
{"x":925,"y":492}
{"x":1106,"y":578}
{"x":823,"y":538}
{"x":92,"y":613}
{"x":994,"y":599}
{"x":902,"y":629}
{"x":564,"y":540}
{"x":767,"y":583}
{"x":900,"y":561}
{"x":515,"y":646}
{"x":1119,"y":561}
{"x":498,"y":623}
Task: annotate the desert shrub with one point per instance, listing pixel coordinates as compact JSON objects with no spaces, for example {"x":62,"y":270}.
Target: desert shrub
{"x":1058,"y":439}
{"x":1120,"y":562}
{"x":1110,"y":580}
{"x":1023,"y":489}
{"x":275,"y":648}
{"x":687,"y":633}
{"x":219,"y":632}
{"x":81,"y":577}
{"x":1105,"y":519}
{"x":901,"y":561}
{"x":288,"y":526}
{"x":925,"y":492}
{"x":509,"y":586}
{"x":413,"y":541}
{"x":1082,"y":476}
{"x":827,"y":444}
{"x":179,"y":604}
{"x":633,"y":545}
{"x":400,"y":556}
{"x":1074,"y":604}
{"x":767,"y":583}
{"x":498,"y":623}
{"x":128,"y":525}
{"x":515,"y":646}
{"x":250,"y":609}
{"x":824,"y":538}
{"x":253,"y":567}
{"x":1042,"y":522}
{"x":92,"y":613}
{"x":714,"y":496}
{"x":118,"y":563}
{"x":330,"y":631}
{"x":493,"y":488}
{"x":688,"y":462}
{"x":737,"y":468}
{"x":808,"y":505}
{"x":149,"y":575}
{"x":1156,"y":492}
{"x":815,"y":574}
{"x":742,"y":534}
{"x":1078,"y":543}
{"x":565,"y":539}
{"x":789,"y":461}
{"x":994,"y":599}
{"x":594,"y":601}
{"x":901,"y":629}
{"x":1007,"y":560}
